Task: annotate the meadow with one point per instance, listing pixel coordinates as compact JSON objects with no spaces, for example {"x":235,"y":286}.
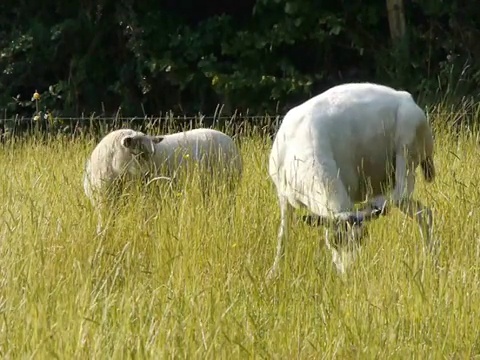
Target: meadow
{"x":175,"y":277}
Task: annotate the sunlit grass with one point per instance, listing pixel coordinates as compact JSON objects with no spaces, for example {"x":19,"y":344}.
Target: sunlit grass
{"x":177,"y":277}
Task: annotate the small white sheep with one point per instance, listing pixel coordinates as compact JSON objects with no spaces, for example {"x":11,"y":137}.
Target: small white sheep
{"x":121,"y":156}
{"x":349,"y":144}
{"x":126,"y":155}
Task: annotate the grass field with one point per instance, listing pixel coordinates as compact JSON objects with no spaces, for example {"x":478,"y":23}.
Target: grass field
{"x":175,"y":278}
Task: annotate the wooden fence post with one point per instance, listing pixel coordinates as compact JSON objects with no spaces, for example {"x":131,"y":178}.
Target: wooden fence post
{"x":396,"y":19}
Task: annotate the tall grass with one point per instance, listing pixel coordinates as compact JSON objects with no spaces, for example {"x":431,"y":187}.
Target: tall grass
{"x":176,"y":277}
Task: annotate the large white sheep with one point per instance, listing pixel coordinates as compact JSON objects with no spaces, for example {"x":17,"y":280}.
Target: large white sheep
{"x":353,"y":143}
{"x":126,"y":155}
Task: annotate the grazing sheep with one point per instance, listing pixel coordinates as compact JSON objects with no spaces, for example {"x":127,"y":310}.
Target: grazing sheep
{"x":349,"y":144}
{"x":121,"y":156}
{"x":126,"y":155}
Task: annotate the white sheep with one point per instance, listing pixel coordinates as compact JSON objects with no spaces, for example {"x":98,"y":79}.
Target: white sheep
{"x":126,"y":155}
{"x":341,"y":148}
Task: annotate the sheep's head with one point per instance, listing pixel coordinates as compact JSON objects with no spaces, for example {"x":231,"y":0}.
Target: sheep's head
{"x":141,"y":144}
{"x":349,"y":232}
{"x":351,"y":227}
{"x":141,"y":148}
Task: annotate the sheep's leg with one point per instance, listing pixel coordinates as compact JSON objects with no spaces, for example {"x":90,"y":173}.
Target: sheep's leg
{"x":336,"y":257}
{"x":100,"y":225}
{"x":232,"y":188}
{"x":402,"y":198}
{"x":404,"y":179}
{"x":208,"y":177}
{"x":416,"y":210}
{"x":99,"y":208}
{"x":347,"y":236}
{"x":227,"y":189}
{"x":285,"y":211}
{"x":343,"y":255}
{"x":405,"y":185}
{"x":344,"y":252}
{"x":104,"y":216}
{"x":108,"y":206}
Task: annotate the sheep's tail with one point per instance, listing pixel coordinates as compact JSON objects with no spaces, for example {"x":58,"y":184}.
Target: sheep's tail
{"x":428,"y":168}
{"x":427,"y":164}
{"x":410,"y":112}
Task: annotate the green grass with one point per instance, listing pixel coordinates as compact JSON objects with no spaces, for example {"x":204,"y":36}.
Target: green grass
{"x":177,"y":278}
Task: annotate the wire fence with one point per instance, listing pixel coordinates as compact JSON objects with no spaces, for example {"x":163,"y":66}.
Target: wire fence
{"x":47,"y":125}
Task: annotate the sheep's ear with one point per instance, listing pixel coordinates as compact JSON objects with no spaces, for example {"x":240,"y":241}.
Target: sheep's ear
{"x":377,"y":212}
{"x":127,"y":141}
{"x":157,"y":139}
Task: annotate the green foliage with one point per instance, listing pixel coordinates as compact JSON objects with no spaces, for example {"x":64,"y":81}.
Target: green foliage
{"x":258,"y":55}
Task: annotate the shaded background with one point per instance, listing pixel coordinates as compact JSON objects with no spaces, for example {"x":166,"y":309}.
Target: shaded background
{"x":260,"y":56}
